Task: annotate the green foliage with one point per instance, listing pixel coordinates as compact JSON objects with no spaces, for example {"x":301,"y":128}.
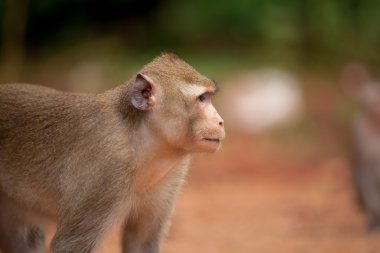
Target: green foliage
{"x":316,"y":29}
{"x":309,"y":31}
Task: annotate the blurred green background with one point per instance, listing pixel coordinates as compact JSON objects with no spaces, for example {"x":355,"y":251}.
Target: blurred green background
{"x":42,"y":39}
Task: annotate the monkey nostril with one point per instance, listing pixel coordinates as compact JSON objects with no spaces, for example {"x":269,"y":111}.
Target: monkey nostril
{"x":220,"y":123}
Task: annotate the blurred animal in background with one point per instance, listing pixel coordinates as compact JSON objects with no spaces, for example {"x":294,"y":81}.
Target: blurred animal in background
{"x":88,"y":161}
{"x":262,"y":100}
{"x":359,"y":85}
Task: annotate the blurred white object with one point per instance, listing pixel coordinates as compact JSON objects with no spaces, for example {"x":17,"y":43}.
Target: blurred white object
{"x":259,"y":101}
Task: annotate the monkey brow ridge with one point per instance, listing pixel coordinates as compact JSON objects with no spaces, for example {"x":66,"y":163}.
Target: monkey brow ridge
{"x":216,"y":85}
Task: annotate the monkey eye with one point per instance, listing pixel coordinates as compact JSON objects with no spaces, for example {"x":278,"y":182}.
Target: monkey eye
{"x":205,"y":96}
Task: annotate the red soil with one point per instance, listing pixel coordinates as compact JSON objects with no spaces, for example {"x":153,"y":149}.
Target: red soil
{"x":261,"y":195}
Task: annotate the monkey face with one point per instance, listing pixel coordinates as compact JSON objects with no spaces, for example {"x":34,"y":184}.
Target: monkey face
{"x":191,"y":122}
{"x":207,"y":127}
{"x":181,"y":113}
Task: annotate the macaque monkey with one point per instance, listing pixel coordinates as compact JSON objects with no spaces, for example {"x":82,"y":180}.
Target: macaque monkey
{"x":358,"y":84}
{"x":90,"y":161}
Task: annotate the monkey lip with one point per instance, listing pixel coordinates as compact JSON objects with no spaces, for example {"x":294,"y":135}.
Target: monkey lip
{"x":216,"y":140}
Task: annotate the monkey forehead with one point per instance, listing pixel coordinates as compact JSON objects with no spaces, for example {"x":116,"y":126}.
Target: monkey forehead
{"x":192,"y":90}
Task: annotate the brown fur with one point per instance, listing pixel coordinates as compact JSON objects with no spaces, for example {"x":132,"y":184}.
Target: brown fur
{"x":88,"y":161}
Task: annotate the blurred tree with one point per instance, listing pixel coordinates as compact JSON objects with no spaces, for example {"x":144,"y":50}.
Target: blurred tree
{"x":61,"y":21}
{"x":13,"y":38}
{"x":312,"y":31}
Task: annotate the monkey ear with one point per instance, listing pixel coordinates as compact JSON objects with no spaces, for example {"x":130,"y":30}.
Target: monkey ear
{"x":143,"y":92}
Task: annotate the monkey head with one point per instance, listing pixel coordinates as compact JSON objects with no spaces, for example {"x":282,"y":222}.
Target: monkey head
{"x":175,"y":101}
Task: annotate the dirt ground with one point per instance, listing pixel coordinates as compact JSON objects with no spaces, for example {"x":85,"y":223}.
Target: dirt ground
{"x":261,"y":195}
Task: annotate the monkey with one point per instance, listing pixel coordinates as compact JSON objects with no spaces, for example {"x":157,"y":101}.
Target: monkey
{"x":90,"y":161}
{"x":359,"y":85}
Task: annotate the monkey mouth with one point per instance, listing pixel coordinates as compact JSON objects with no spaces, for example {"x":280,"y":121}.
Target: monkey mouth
{"x":216,"y":140}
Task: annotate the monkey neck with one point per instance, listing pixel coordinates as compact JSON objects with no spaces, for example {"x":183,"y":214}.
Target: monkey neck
{"x":155,"y":160}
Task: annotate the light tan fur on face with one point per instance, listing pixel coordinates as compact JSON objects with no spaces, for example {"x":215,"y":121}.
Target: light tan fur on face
{"x":192,"y":91}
